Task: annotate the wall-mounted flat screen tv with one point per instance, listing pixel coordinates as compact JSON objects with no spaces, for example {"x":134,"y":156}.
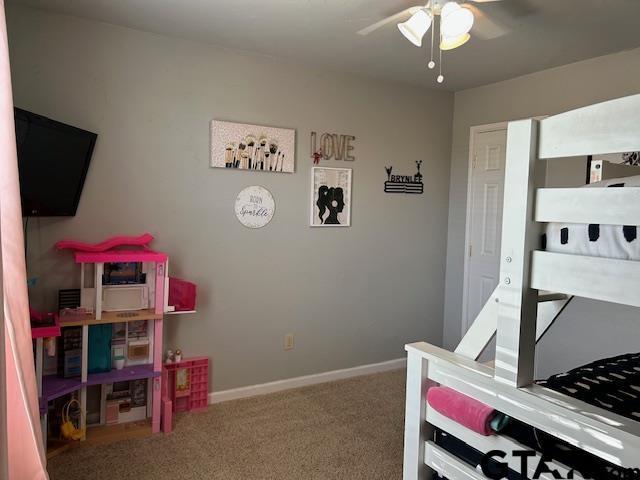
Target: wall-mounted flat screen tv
{"x":53,"y":159}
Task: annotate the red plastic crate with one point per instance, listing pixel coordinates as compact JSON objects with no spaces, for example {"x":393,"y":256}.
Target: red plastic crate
{"x":195,"y":394}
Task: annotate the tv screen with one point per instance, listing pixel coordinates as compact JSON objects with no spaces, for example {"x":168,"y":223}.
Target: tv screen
{"x":53,"y":159}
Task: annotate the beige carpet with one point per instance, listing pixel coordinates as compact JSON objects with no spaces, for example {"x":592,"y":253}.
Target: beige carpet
{"x":351,"y":429}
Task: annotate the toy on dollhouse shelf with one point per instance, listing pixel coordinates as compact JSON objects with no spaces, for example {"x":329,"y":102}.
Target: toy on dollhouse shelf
{"x":109,"y":348}
{"x":174,"y":356}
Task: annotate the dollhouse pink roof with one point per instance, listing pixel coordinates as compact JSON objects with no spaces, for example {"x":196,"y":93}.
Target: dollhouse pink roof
{"x":115,"y":256}
{"x":105,"y":252}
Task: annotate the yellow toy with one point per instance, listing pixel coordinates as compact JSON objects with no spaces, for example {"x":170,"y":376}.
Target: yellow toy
{"x":68,"y":430}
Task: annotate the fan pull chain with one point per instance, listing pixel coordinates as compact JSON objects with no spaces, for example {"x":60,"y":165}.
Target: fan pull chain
{"x":432,"y":64}
{"x":440,"y":78}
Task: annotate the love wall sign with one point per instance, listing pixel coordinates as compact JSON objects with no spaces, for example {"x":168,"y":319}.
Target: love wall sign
{"x":332,"y":146}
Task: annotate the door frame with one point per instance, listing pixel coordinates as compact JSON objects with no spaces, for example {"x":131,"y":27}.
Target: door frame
{"x":473,"y":131}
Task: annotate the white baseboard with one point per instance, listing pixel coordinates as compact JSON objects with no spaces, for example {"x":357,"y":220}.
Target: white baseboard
{"x":296,"y":382}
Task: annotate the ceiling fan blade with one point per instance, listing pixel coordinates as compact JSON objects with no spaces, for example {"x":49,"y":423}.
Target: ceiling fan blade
{"x":486,"y":27}
{"x":513,"y":9}
{"x":393,"y":18}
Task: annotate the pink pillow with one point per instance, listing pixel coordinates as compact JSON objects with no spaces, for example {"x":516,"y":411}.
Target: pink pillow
{"x":464,"y":410}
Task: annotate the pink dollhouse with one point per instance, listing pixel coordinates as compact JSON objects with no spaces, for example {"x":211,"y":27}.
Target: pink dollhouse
{"x":112,"y":356}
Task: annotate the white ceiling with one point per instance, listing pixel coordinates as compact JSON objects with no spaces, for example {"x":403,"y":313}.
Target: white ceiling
{"x":322,"y":33}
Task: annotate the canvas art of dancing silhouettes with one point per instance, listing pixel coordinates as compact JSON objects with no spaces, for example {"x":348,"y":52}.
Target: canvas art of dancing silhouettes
{"x":331,"y":199}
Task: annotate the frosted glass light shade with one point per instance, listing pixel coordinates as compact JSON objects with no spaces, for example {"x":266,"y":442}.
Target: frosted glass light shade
{"x":451,"y":43}
{"x":448,"y":8}
{"x":415,"y":28}
{"x":455,"y":20}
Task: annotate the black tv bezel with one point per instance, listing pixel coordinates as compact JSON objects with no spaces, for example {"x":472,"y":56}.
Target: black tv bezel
{"x":54,"y":124}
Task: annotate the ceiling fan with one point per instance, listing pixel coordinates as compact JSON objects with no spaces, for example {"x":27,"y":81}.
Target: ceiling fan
{"x":455,"y":23}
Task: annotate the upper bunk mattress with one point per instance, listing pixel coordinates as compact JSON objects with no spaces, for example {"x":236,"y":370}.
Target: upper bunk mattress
{"x":595,"y":240}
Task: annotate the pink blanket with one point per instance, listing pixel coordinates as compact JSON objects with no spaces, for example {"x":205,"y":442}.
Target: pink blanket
{"x":464,"y":410}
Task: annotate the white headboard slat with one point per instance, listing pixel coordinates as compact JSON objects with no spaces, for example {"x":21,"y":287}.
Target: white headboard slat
{"x":608,"y":127}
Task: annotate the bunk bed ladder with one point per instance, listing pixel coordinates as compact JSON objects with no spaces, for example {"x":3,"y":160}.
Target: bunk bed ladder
{"x":483,"y":329}
{"x":517,"y":301}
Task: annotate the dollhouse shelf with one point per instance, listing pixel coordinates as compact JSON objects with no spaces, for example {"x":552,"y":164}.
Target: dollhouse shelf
{"x":45,"y":332}
{"x":136,"y":372}
{"x":44,"y":325}
{"x":111,"y":317}
{"x":54,"y":386}
{"x":180,"y":312}
{"x":103,"y":434}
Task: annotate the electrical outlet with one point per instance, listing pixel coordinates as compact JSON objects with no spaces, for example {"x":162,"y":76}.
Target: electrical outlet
{"x":288,"y":341}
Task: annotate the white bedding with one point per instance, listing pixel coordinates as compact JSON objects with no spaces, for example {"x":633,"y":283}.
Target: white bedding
{"x":611,"y":241}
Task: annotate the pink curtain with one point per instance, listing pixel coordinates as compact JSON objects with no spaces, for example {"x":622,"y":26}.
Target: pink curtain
{"x":26,"y":459}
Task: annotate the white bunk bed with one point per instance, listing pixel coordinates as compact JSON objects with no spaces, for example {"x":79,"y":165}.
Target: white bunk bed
{"x":599,"y":169}
{"x":517,"y":314}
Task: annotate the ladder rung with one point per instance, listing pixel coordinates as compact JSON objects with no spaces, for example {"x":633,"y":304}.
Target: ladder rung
{"x":551,"y":297}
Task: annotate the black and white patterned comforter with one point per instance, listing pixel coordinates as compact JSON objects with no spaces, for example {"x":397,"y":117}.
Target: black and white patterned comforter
{"x":612,"y":384}
{"x":595,"y":240}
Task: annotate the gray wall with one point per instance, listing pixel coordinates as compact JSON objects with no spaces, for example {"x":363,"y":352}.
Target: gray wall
{"x":585,"y":331}
{"x":351,"y":296}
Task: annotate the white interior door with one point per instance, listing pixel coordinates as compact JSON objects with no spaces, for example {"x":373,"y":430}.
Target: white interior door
{"x":485,"y":219}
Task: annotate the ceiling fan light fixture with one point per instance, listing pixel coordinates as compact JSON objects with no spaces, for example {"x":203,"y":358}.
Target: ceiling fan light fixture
{"x":455,"y":42}
{"x":455,"y":20}
{"x":415,"y":28}
{"x":448,"y":8}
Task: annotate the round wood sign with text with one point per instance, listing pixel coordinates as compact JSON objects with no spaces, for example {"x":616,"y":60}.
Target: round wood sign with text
{"x":255,"y":207}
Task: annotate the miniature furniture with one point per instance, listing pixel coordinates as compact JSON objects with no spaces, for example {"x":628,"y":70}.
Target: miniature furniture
{"x":519,"y":312}
{"x":120,"y":350}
